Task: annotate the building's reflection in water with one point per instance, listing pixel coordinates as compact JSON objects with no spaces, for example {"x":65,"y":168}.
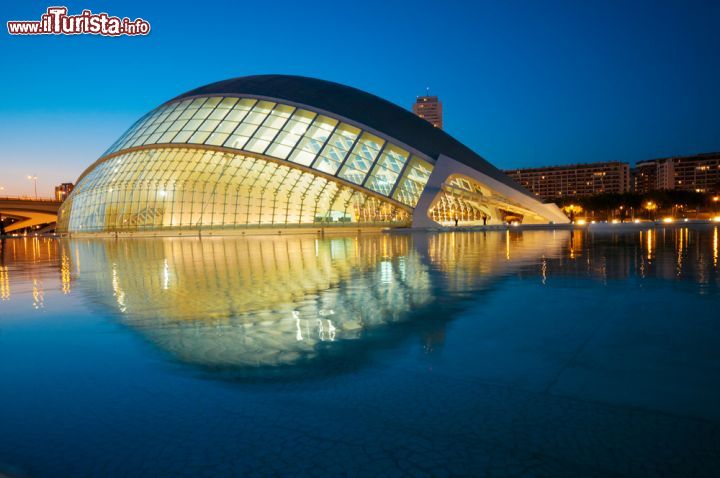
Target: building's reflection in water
{"x":250,"y":303}
{"x":261,"y":306}
{"x":256,"y":302}
{"x":30,"y":265}
{"x":268,"y":306}
{"x":688,"y":254}
{"x":471,"y":260}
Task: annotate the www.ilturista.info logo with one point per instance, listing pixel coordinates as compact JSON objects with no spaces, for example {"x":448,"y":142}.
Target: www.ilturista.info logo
{"x":57,"y":22}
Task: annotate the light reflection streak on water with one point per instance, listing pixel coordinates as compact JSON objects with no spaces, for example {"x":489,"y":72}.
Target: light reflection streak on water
{"x":680,"y":251}
{"x":38,"y":294}
{"x":4,"y":283}
{"x":117,"y":291}
{"x":507,"y":245}
{"x":298,"y":335}
{"x":65,"y":273}
{"x":166,"y":275}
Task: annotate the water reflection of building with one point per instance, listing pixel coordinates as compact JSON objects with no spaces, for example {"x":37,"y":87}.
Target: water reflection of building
{"x":669,"y":253}
{"x":277,"y":303}
{"x":35,"y":261}
{"x":254,"y":303}
{"x":469,"y":260}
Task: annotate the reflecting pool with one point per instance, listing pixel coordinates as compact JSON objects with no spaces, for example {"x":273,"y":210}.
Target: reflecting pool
{"x":514,"y":353}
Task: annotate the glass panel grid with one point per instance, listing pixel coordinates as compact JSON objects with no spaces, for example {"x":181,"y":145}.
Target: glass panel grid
{"x":291,"y":133}
{"x":171,"y":188}
{"x":284,"y":132}
{"x":413,"y":182}
{"x":334,"y":152}
{"x":313,"y":140}
{"x":361,"y":158}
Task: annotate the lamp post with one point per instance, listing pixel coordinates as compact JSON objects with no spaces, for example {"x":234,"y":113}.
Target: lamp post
{"x":651,"y":206}
{"x":34,"y":179}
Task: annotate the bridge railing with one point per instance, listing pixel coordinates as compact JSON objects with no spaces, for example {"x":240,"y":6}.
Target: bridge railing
{"x":27,"y":198}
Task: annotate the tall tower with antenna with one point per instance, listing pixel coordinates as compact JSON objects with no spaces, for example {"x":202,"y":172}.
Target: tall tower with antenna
{"x":429,"y":108}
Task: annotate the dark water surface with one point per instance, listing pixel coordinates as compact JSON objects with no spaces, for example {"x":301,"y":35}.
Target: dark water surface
{"x":520,"y":353}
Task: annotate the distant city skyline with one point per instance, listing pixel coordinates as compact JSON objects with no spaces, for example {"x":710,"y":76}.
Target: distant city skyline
{"x":526,"y":85}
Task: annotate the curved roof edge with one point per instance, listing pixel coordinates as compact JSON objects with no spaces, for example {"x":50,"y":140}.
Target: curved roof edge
{"x":359,"y":106}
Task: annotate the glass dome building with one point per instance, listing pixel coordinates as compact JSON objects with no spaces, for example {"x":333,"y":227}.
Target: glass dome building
{"x":289,"y":152}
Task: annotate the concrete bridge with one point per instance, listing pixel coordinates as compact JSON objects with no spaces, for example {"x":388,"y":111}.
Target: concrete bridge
{"x":27,"y":212}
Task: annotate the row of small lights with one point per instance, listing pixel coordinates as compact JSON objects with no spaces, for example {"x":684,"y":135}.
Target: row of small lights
{"x":582,"y":222}
{"x":650,"y":206}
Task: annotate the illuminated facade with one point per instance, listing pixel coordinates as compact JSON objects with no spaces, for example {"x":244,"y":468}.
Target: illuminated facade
{"x":288,"y":152}
{"x":63,"y":190}
{"x":429,"y":108}
{"x":556,"y":182}
{"x":699,"y":173}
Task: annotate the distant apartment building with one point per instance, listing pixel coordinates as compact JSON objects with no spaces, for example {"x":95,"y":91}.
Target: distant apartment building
{"x":699,"y":173}
{"x":429,"y":108}
{"x":63,"y":191}
{"x":644,"y":176}
{"x":554,"y":182}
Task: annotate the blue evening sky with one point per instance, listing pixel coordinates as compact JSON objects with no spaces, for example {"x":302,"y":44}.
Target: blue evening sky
{"x":523,"y":83}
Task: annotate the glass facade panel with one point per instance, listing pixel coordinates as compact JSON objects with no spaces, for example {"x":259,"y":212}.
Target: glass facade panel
{"x":335,"y":150}
{"x":413,"y":181}
{"x":393,"y":158}
{"x":249,"y":125}
{"x":387,"y":169}
{"x":269,"y":129}
{"x":157,"y":120}
{"x":313,"y":140}
{"x":291,"y":133}
{"x":361,"y":158}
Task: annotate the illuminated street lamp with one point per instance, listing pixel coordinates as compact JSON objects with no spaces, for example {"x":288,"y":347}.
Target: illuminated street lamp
{"x":34,"y":179}
{"x":572,"y":210}
{"x":651,"y":206}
